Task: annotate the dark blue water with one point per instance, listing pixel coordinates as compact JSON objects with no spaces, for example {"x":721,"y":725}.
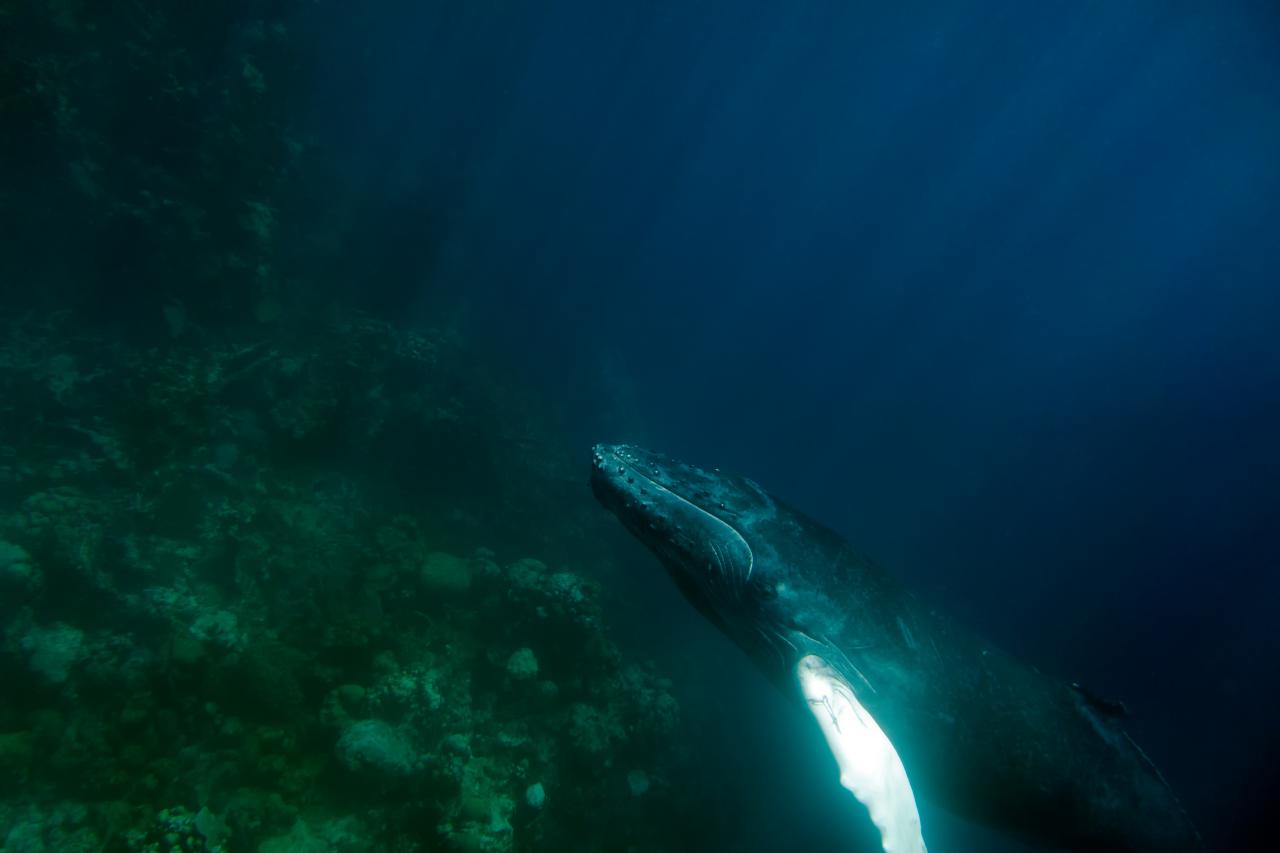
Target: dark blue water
{"x":993,"y":289}
{"x":990,"y":288}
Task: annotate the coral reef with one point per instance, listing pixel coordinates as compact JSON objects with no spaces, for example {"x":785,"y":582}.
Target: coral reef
{"x":265,"y":560}
{"x":254,"y":598}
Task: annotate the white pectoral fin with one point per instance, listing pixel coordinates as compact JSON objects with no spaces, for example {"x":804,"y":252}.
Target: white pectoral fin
{"x":869,"y":765}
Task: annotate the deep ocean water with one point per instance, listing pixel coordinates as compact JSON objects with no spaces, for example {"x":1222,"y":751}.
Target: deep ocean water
{"x":310,"y":313}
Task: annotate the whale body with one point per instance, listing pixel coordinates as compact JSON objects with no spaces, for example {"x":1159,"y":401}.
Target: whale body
{"x":910,"y":703}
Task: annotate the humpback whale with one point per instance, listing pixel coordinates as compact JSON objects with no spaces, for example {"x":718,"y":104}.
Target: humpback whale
{"x":908,"y":701}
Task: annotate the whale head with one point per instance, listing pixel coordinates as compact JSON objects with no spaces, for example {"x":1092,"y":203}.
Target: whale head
{"x":715,"y":535}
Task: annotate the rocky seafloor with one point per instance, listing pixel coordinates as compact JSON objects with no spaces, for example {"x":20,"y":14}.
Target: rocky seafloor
{"x":296,"y":594}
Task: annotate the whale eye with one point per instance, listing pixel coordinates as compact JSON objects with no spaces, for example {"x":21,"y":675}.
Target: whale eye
{"x":764,"y":589}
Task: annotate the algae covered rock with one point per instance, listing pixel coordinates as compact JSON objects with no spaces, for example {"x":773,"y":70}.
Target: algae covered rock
{"x":481,"y":817}
{"x":652,"y":713}
{"x":535,"y":796}
{"x":376,"y":748}
{"x":57,"y":827}
{"x":218,"y":628}
{"x":53,"y":650}
{"x":176,"y":830}
{"x":211,"y":827}
{"x":593,"y":733}
{"x":522,"y":665}
{"x":412,"y":693}
{"x":17,"y":571}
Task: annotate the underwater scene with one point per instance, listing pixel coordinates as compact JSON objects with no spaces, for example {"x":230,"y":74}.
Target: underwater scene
{"x":669,"y":426}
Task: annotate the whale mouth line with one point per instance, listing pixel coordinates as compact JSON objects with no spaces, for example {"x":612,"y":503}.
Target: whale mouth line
{"x":628,"y":468}
{"x":722,"y":561}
